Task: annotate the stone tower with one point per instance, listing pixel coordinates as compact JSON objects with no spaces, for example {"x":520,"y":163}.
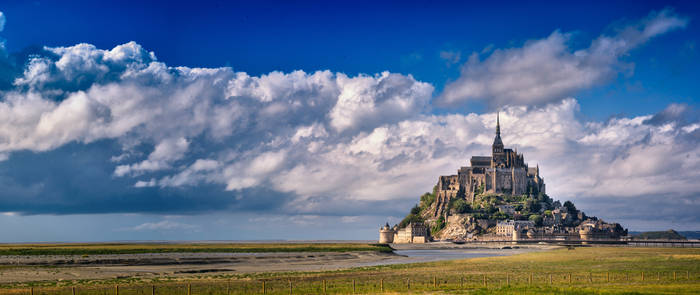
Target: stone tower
{"x":498,"y":156}
{"x":386,"y":234}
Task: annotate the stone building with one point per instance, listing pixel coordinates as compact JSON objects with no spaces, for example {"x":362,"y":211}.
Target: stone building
{"x":506,"y":227}
{"x":386,"y":234}
{"x":416,"y":233}
{"x":504,"y":172}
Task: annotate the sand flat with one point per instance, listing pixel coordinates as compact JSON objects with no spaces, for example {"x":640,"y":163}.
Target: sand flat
{"x":32,"y":268}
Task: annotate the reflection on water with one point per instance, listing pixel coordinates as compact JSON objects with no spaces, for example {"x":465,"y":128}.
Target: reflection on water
{"x":428,"y":255}
{"x":449,"y":254}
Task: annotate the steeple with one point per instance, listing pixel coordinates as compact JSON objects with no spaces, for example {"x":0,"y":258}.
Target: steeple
{"x":498,"y":124}
{"x":497,"y":141}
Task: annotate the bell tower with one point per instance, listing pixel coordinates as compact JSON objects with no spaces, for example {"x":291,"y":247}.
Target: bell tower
{"x":498,"y":156}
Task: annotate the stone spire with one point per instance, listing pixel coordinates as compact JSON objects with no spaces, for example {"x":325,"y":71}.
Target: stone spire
{"x":498,"y":124}
{"x":497,"y":140}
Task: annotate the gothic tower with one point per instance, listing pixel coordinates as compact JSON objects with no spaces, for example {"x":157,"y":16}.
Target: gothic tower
{"x":498,"y":156}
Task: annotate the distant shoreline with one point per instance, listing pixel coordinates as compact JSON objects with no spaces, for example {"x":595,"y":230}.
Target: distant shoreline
{"x":199,"y":247}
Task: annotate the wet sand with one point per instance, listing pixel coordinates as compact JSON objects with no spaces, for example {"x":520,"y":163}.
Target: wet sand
{"x":15,"y":269}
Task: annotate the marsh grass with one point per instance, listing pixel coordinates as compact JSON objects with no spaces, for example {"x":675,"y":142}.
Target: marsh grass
{"x":593,"y":270}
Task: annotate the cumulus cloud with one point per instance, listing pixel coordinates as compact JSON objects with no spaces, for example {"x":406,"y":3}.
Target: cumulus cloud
{"x":547,"y":70}
{"x":321,"y":143}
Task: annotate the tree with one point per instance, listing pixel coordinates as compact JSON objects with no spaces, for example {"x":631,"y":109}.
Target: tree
{"x":410,"y":218}
{"x":556,"y":204}
{"x":489,"y":208}
{"x":461,"y":206}
{"x":532,"y":206}
{"x":570,"y":207}
{"x":426,"y":200}
{"x":415,"y":210}
{"x":536,"y":218}
{"x":518,"y":207}
{"x":500,"y":216}
{"x":439,"y":225}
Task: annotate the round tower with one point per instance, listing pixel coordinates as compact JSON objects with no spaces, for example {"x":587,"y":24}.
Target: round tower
{"x":585,"y":234}
{"x":386,"y":235}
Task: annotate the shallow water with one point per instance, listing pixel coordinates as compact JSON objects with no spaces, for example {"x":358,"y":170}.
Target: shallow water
{"x":428,"y":255}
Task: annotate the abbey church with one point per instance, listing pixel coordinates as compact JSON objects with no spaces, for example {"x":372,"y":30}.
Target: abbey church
{"x":504,"y":172}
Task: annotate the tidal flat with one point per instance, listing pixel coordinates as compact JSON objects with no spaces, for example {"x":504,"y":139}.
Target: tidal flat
{"x":583,"y":270}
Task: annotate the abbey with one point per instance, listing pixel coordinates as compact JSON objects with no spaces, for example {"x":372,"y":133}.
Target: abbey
{"x":497,"y":198}
{"x":504,"y":172}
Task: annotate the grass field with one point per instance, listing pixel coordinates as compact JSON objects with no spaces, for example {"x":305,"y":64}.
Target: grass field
{"x":588,"y":270}
{"x":128,"y":248}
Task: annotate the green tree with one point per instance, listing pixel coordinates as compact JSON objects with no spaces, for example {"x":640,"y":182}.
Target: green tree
{"x":415,"y":210}
{"x":489,"y":208}
{"x":426,"y":200}
{"x":536,"y":218}
{"x":570,"y":207}
{"x":461,"y":206}
{"x":439,"y":225}
{"x":500,"y":216}
{"x":410,"y":218}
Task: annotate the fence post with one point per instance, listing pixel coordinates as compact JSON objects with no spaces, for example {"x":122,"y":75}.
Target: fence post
{"x":353,"y":286}
{"x":461,"y":282}
{"x":290,"y":286}
{"x":674,"y":275}
{"x":31,"y":291}
{"x":642,"y":276}
{"x":590,"y":277}
{"x":569,"y":278}
{"x":189,"y":289}
{"x":408,"y":283}
{"x":324,"y":286}
{"x":228,"y":287}
{"x":486,"y":283}
{"x":434,"y":281}
{"x":529,"y":279}
{"x":72,"y":289}
{"x":607,"y":276}
{"x":116,"y":289}
{"x":658,"y":276}
{"x":508,"y":279}
{"x":153,"y":289}
{"x":550,"y":278}
{"x":263,"y":283}
{"x":381,"y":285}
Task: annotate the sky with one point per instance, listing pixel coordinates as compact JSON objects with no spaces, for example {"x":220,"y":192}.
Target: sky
{"x":323,"y":120}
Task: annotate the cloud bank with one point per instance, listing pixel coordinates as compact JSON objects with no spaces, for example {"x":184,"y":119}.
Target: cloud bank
{"x":548,"y":70}
{"x":87,"y":130}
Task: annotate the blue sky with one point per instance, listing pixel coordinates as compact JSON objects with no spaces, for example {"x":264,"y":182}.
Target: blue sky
{"x":218,"y":120}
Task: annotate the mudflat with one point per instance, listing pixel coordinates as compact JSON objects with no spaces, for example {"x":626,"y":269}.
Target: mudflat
{"x":27,"y":268}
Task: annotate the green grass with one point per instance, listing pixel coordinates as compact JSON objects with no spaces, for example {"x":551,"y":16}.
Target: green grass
{"x":126,"y":248}
{"x":593,"y":270}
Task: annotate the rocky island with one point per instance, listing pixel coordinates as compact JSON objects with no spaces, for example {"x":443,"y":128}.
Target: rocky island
{"x":496,"y":198}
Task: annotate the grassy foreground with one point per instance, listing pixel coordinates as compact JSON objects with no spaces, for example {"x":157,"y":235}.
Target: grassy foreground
{"x":591,"y":270}
{"x":129,"y":248}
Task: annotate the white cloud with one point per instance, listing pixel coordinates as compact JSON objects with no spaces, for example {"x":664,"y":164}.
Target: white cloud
{"x":327,"y":141}
{"x":548,"y":70}
{"x":163,"y":155}
{"x":2,"y":21}
{"x":141,"y":183}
